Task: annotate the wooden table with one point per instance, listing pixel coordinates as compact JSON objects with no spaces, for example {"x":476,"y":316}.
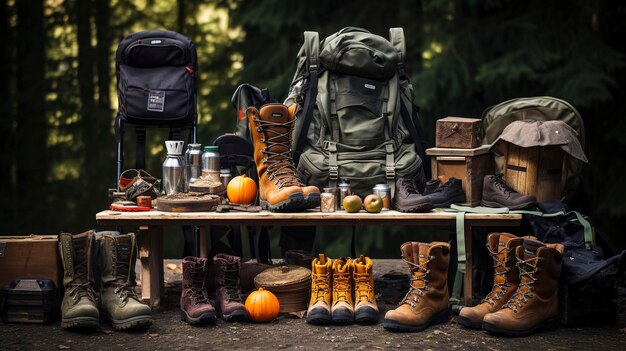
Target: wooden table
{"x":151,"y":227}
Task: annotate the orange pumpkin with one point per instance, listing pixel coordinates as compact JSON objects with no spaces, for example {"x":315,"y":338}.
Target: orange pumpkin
{"x":241,"y":190}
{"x":262,"y":306}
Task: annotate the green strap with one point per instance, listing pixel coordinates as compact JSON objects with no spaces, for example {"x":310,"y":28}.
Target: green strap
{"x":333,"y":167}
{"x":396,"y":37}
{"x":312,"y":49}
{"x":460,"y":237}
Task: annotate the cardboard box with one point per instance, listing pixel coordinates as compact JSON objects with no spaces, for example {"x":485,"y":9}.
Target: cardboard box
{"x":540,"y":171}
{"x":30,"y":257}
{"x":468,"y":165}
{"x":458,"y":132}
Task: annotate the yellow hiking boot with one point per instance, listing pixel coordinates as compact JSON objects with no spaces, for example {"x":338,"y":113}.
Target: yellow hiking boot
{"x":365,"y":307}
{"x":342,"y":309}
{"x":321,"y":280}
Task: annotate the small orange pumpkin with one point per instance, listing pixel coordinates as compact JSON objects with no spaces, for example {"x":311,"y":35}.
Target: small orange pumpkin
{"x":241,"y":190}
{"x":262,"y":306}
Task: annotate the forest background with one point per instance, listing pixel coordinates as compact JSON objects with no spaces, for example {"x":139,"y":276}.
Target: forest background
{"x":58,"y":88}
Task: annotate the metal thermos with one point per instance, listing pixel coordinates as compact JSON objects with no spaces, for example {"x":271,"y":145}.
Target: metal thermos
{"x":174,"y":169}
{"x":210,"y":159}
{"x":225,"y":176}
{"x":193,"y":156}
{"x":344,"y":190}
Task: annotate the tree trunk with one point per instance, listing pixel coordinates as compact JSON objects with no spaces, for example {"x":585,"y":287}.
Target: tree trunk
{"x":7,"y":113}
{"x":103,"y":14}
{"x":181,"y":16}
{"x":31,"y":129}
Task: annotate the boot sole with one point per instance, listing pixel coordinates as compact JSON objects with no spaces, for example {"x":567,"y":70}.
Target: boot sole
{"x":366,"y":316}
{"x":295,"y":202}
{"x":439,"y":318}
{"x":456,"y":200}
{"x":417,"y":208}
{"x":130,"y":323}
{"x":236,"y":316}
{"x":468,"y":323}
{"x":548,"y":324}
{"x":498,"y":205}
{"x":318,"y":317}
{"x":80,"y":323}
{"x":205,"y":318}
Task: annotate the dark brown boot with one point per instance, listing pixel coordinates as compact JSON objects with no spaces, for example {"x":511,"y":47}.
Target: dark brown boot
{"x":195,"y":306}
{"x":279,"y":187}
{"x":426,"y":302}
{"x":228,"y":289}
{"x":534,"y":306}
{"x":502,"y":248}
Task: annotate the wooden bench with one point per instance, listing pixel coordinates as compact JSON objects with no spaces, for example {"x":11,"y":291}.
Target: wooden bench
{"x":151,"y":228}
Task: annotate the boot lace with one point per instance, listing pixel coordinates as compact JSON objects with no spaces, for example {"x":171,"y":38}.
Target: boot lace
{"x":412,"y":296}
{"x":362,"y":286}
{"x":443,"y":186}
{"x":498,"y":288}
{"x":341,"y":286}
{"x":125,"y":288}
{"x":198,"y":290}
{"x":501,"y":184}
{"x":81,"y":286}
{"x":280,"y":168}
{"x":409,"y":185}
{"x":527,"y":268}
{"x":320,"y":282}
{"x":231,"y":283}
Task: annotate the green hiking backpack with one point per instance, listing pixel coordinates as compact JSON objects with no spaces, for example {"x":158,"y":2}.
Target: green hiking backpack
{"x":357,"y":120}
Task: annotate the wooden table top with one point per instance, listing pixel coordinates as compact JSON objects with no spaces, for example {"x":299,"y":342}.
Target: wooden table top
{"x":307,"y":218}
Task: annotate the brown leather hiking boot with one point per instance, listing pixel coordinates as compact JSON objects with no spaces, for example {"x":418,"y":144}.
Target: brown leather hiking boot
{"x":365,"y":307}
{"x":120,"y":303}
{"x":321,"y":282}
{"x":426,"y":302}
{"x":79,"y":308}
{"x":228,"y":288}
{"x":195,"y":306}
{"x":502,"y":248}
{"x":280,"y":189}
{"x":342,"y":309}
{"x":534,"y":306}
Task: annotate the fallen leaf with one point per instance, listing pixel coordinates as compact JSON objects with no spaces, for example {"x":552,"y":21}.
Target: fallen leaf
{"x":64,"y":347}
{"x":171,"y":266}
{"x":107,"y":331}
{"x":153,"y":335}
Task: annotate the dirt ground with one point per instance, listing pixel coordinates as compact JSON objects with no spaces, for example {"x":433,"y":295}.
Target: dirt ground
{"x":288,"y":332}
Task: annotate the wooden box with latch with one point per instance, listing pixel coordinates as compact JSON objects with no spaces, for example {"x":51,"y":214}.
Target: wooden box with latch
{"x":458,"y":132}
{"x":30,"y":257}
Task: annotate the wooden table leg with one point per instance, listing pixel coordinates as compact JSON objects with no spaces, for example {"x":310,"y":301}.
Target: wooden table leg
{"x":151,"y":258}
{"x":468,"y":279}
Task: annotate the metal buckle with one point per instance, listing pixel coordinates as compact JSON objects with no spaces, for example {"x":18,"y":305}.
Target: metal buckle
{"x":333,"y":172}
{"x":390,"y":172}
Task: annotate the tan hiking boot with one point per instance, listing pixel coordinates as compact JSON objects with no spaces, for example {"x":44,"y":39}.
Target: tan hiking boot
{"x":342,"y":309}
{"x":79,"y":308}
{"x":120,"y":303}
{"x":365,"y":307}
{"x":502,"y":248}
{"x":426,"y":302}
{"x":534,"y":306}
{"x":321,"y":283}
{"x":279,"y":187}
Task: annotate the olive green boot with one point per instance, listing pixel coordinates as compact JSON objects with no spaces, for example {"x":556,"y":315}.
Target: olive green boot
{"x":79,"y":308}
{"x":120,"y":303}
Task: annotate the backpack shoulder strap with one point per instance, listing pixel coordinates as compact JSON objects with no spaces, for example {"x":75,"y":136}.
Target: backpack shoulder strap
{"x":396,"y":37}
{"x":311,"y":50}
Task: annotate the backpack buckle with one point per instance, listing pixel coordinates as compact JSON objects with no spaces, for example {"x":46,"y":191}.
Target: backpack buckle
{"x":333,"y":172}
{"x":390,"y":172}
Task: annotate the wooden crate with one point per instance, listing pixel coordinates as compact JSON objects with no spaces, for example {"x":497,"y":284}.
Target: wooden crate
{"x":458,"y":132}
{"x":468,"y":165}
{"x":30,"y":257}
{"x":540,"y":171}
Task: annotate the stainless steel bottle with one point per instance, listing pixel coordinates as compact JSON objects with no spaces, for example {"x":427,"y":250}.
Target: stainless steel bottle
{"x":225,"y":176}
{"x":210,"y":160}
{"x":344,"y":190}
{"x":174,"y":168}
{"x":193,"y":156}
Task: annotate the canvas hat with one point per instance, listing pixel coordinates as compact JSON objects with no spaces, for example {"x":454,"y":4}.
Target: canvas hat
{"x":526,"y":133}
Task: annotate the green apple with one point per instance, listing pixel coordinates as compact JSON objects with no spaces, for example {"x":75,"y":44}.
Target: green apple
{"x":352,"y":203}
{"x":373,"y":203}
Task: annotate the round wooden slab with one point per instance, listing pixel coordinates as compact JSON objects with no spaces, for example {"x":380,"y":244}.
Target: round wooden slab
{"x":283,"y":276}
{"x":187,"y":203}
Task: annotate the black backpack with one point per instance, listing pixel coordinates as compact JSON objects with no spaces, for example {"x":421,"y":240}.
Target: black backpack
{"x":156,"y":86}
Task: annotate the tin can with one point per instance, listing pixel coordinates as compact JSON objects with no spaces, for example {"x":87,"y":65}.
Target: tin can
{"x":383,"y":191}
{"x":210,"y":159}
{"x":225,"y":176}
{"x":327,"y":202}
{"x":344,"y":190}
{"x":144,"y":201}
{"x":335,"y":192}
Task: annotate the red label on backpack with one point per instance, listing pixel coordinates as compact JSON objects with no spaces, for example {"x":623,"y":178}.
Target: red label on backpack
{"x":240,"y":116}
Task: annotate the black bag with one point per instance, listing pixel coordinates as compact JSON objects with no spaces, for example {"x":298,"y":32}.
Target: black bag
{"x":156,"y":79}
